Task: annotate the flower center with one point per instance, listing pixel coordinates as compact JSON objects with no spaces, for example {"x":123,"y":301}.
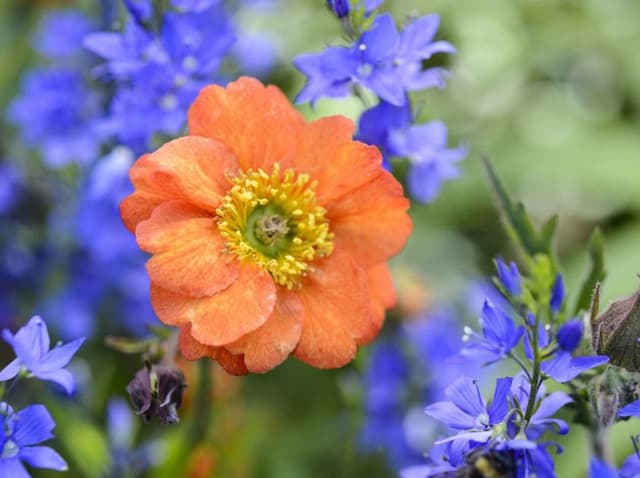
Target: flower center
{"x":272,"y":220}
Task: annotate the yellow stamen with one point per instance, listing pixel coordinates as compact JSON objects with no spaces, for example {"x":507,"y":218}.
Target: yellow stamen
{"x":272,"y":220}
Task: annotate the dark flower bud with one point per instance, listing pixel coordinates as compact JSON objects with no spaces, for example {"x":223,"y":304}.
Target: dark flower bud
{"x":615,"y":332}
{"x":606,"y":396}
{"x":156,"y":391}
{"x":339,"y":7}
{"x":569,"y":335}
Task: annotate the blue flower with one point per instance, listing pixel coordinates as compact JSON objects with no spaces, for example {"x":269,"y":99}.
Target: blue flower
{"x":431,"y":162}
{"x":630,"y":410}
{"x":19,"y":431}
{"x":377,"y":124}
{"x":601,"y":469}
{"x":60,"y":34}
{"x":546,"y":406}
{"x":382,"y":60}
{"x":10,"y":186}
{"x":509,"y":277}
{"x":557,"y":295}
{"x":467,"y":411}
{"x":55,"y":113}
{"x":500,"y":335}
{"x":31,"y":346}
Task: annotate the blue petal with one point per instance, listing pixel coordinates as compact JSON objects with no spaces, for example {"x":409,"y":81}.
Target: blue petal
{"x":499,"y":406}
{"x":33,"y":425}
{"x":10,"y":370}
{"x":31,"y":342}
{"x":509,"y":277}
{"x":631,"y":410}
{"x":62,"y":377}
{"x":380,"y":40}
{"x":563,"y":368}
{"x":557,"y":294}
{"x":550,"y":405}
{"x":43,"y":457}
{"x":11,"y":467}
{"x":465,"y":394}
{"x":449,"y":414}
{"x":415,"y":471}
{"x":59,"y":357}
{"x":600,"y":469}
{"x":418,"y":35}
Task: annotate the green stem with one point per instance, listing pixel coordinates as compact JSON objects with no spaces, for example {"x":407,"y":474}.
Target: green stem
{"x":599,"y":438}
{"x":201,"y":416}
{"x":535,"y":379}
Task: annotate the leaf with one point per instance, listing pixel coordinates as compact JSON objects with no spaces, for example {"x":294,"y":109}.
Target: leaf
{"x":596,"y":273}
{"x":517,"y":222}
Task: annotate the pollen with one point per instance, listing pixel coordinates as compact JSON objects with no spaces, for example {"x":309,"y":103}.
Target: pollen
{"x":273,"y":221}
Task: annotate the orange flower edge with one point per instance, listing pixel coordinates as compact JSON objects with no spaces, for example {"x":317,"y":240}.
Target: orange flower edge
{"x":268,"y":236}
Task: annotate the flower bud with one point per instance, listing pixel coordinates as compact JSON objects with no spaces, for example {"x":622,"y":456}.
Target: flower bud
{"x":615,"y":332}
{"x":157,"y":392}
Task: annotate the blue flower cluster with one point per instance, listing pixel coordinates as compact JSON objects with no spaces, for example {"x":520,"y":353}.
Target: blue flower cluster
{"x":22,"y":431}
{"x":388,"y":63}
{"x":96,"y":100}
{"x":508,"y":434}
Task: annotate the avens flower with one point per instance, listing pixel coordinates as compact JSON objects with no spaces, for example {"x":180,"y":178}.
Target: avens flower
{"x":269,"y":236}
{"x":31,"y":346}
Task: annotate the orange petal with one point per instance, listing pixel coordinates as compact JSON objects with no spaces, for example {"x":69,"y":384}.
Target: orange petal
{"x":225,"y":316}
{"x":337,"y":312}
{"x":383,"y":296}
{"x":327,"y":152}
{"x":371,"y":223}
{"x":191,"y":349}
{"x":257,"y":123}
{"x":271,"y":344}
{"x":189,"y":255}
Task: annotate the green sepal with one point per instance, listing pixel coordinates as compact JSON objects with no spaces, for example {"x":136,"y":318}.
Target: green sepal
{"x":596,"y":273}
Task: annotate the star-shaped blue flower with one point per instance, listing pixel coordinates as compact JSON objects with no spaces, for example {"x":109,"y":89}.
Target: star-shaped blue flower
{"x":31,"y":346}
{"x":19,"y":431}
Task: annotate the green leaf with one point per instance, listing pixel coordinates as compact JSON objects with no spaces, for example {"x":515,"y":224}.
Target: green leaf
{"x":596,"y":273}
{"x":517,"y":222}
{"x":87,"y":446}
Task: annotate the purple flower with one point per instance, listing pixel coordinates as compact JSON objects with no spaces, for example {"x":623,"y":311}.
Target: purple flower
{"x":431,"y":162}
{"x":55,"y":113}
{"x":378,"y":123}
{"x":509,"y":277}
{"x":60,"y":34}
{"x":557,"y":295}
{"x":19,"y":431}
{"x":31,"y":346}
{"x":545,"y":407}
{"x":382,"y":60}
{"x":467,"y":411}
{"x":500,"y":335}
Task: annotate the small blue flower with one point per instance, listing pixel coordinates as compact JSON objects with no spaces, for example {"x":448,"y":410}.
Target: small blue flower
{"x":500,"y":335}
{"x":557,"y":295}
{"x":19,"y":431}
{"x":569,"y":335}
{"x":60,"y":34}
{"x":382,"y":60}
{"x":467,"y":411}
{"x":431,"y":162}
{"x":31,"y":346}
{"x":509,"y":277}
{"x":55,"y":113}
{"x":545,"y":407}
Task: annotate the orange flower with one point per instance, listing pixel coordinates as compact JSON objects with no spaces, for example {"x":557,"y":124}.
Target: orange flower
{"x":269,"y":235}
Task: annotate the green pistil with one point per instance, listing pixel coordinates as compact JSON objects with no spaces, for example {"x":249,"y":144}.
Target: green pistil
{"x":267,"y":230}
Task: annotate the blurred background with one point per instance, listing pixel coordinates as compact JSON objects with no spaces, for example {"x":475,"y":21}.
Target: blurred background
{"x":548,"y":90}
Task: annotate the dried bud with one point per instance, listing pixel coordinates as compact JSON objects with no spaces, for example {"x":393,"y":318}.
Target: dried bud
{"x":606,"y":396}
{"x":157,"y":392}
{"x":616,"y":331}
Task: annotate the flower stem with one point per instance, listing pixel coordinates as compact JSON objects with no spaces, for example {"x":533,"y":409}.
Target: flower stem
{"x":599,"y":438}
{"x":535,"y":378}
{"x":201,"y":416}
